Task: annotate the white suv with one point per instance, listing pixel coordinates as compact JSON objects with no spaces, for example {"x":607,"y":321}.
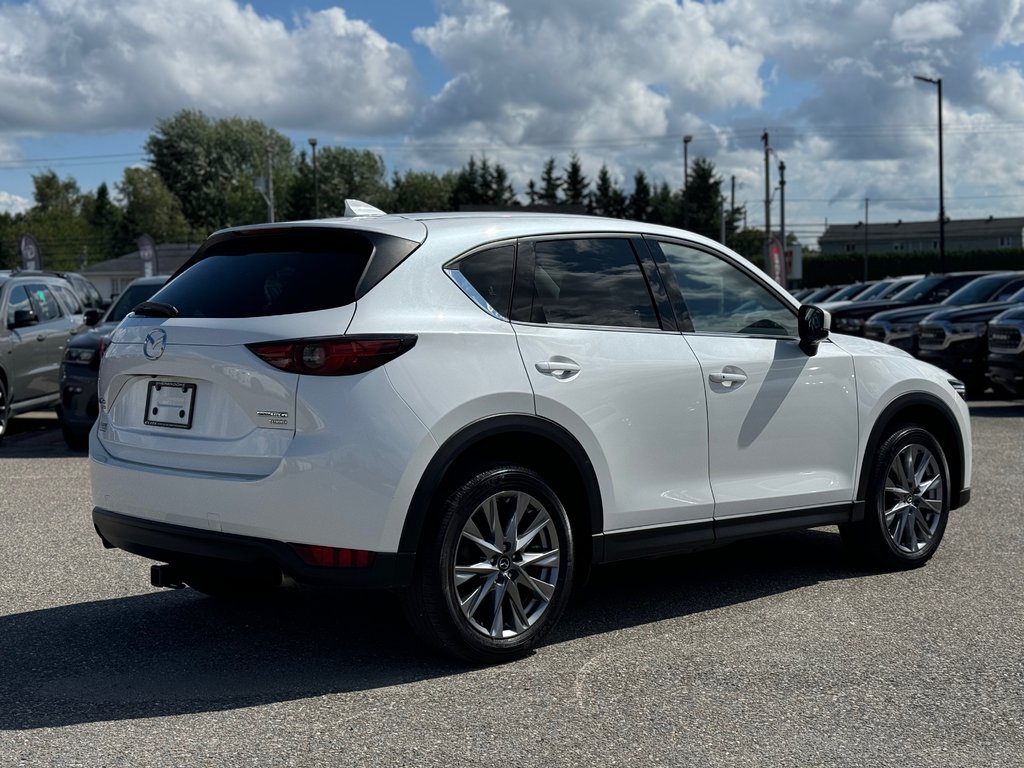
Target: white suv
{"x":475,"y":408}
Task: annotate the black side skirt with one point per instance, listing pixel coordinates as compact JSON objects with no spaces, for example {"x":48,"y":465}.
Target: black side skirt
{"x":684,"y":537}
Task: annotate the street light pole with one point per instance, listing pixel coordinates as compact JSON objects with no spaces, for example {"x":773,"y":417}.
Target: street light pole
{"x":782,"y":221}
{"x":686,"y":175}
{"x":316,"y":181}
{"x":937,"y":82}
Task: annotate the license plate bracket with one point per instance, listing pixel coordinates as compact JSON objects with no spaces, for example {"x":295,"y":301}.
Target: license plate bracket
{"x":170,"y":404}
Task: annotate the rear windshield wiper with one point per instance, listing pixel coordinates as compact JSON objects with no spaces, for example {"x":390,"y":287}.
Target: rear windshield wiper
{"x":155,"y":309}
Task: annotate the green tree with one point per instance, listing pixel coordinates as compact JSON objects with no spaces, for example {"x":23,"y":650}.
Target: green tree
{"x":640,"y":200}
{"x":149,"y":207}
{"x":551,"y":183}
{"x":666,"y":206}
{"x":575,"y":184}
{"x":704,"y":199}
{"x":607,"y":199}
{"x":421,"y":191}
{"x":212,"y":166}
{"x":346,"y":173}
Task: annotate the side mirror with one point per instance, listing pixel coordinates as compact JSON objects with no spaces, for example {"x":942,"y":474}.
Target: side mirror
{"x":814,"y":324}
{"x":92,"y":317}
{"x":23,"y":318}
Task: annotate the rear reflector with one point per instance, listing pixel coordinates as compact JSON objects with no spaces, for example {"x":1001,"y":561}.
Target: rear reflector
{"x":333,"y":557}
{"x":332,"y":356}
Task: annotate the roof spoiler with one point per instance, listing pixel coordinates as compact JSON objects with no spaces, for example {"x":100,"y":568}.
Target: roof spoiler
{"x":359,"y":208}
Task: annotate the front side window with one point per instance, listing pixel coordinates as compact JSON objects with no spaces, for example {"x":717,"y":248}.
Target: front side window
{"x":17,"y":301}
{"x":720,"y":298}
{"x":46,"y":305}
{"x":590,"y":281}
{"x":70,"y":298}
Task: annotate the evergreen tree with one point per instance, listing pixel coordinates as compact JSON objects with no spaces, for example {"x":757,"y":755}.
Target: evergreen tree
{"x":551,"y":183}
{"x":640,"y":201}
{"x":608,"y":199}
{"x":575,"y":184}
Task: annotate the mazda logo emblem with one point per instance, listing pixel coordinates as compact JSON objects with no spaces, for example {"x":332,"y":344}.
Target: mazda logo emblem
{"x":155,"y":342}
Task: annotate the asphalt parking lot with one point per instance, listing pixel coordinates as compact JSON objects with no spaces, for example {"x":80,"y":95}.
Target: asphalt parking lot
{"x":775,"y":652}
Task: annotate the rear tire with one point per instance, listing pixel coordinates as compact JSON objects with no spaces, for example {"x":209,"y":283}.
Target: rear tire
{"x":906,"y":505}
{"x":5,"y":410}
{"x":75,"y":439}
{"x":496,"y":574}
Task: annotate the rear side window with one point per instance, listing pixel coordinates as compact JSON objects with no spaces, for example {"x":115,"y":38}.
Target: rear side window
{"x":275,"y":274}
{"x":590,"y":281}
{"x":486,"y":277}
{"x":71,"y":300}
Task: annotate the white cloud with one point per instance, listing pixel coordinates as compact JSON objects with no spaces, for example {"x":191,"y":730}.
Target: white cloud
{"x":10,"y":203}
{"x":576,"y":70}
{"x":927,"y":22}
{"x":101,"y":66}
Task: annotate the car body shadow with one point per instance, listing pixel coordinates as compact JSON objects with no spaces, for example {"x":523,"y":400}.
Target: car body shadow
{"x":176,"y":652}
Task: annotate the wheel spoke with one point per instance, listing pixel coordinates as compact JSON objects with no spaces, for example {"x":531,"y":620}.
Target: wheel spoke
{"x":519,"y":618}
{"x":512,"y":527}
{"x":531,"y":559}
{"x":903,"y":470}
{"x":464,"y":573}
{"x":473,"y":534}
{"x":542,"y":522}
{"x":498,"y":620}
{"x":935,"y":505}
{"x":898,"y":507}
{"x":928,"y":485}
{"x":476,"y":598}
{"x":922,"y":526}
{"x":493,"y":518}
{"x":541,"y":587}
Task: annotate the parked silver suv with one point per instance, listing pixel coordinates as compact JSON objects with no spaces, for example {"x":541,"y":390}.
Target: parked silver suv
{"x":37,"y":320}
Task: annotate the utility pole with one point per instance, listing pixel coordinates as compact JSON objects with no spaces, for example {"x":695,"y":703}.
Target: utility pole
{"x":686,"y":175}
{"x":767,"y":203}
{"x":270,"y":184}
{"x":937,"y":82}
{"x":782,"y":221}
{"x":316,"y":182}
{"x":866,"y":200}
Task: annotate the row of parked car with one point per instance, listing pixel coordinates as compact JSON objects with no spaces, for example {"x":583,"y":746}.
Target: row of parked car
{"x":51,"y":338}
{"x":968,"y":323}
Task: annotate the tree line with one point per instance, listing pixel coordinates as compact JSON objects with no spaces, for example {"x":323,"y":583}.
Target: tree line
{"x":204,"y":174}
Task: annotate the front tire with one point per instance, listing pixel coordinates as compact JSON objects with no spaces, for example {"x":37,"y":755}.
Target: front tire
{"x":496,"y":574}
{"x":907,"y":502}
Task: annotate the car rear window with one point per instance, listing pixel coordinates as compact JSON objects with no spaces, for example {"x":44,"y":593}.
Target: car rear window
{"x":261,"y":275}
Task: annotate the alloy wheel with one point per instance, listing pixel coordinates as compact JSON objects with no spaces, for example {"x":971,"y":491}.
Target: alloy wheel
{"x":506,"y":564}
{"x":913,"y":499}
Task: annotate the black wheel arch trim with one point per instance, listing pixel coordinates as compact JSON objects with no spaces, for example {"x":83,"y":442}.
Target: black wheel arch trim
{"x":456,"y":446}
{"x":883,"y":424}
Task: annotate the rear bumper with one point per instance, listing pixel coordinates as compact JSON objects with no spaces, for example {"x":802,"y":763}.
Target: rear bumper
{"x":182,"y":545}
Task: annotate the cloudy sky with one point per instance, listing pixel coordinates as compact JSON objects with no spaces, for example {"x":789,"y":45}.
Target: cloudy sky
{"x":428,"y":82}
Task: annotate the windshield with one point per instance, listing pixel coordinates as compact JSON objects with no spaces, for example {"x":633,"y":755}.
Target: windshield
{"x":915,"y":291}
{"x":979,"y":290}
{"x":133,"y":295}
{"x":847,"y":292}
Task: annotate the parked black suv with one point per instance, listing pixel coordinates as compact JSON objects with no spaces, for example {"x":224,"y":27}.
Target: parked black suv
{"x":899,"y":327}
{"x":956,"y":339}
{"x":931,"y":289}
{"x":36,"y":321}
{"x":78,"y":371}
{"x":1006,"y":351}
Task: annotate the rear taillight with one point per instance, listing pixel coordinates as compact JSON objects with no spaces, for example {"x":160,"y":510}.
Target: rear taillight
{"x":332,"y":356}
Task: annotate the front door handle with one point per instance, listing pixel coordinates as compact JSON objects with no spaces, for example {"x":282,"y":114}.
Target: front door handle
{"x":560,"y":369}
{"x":727,"y":379}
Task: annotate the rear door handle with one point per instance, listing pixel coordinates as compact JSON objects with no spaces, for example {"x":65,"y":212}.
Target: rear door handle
{"x":560,"y":369}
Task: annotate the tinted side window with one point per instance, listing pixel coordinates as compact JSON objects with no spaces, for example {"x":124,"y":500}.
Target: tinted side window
{"x":488,"y":278}
{"x":46,"y":305}
{"x":723,"y":299}
{"x":18,"y":300}
{"x":70,"y":299}
{"x":590,"y":281}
